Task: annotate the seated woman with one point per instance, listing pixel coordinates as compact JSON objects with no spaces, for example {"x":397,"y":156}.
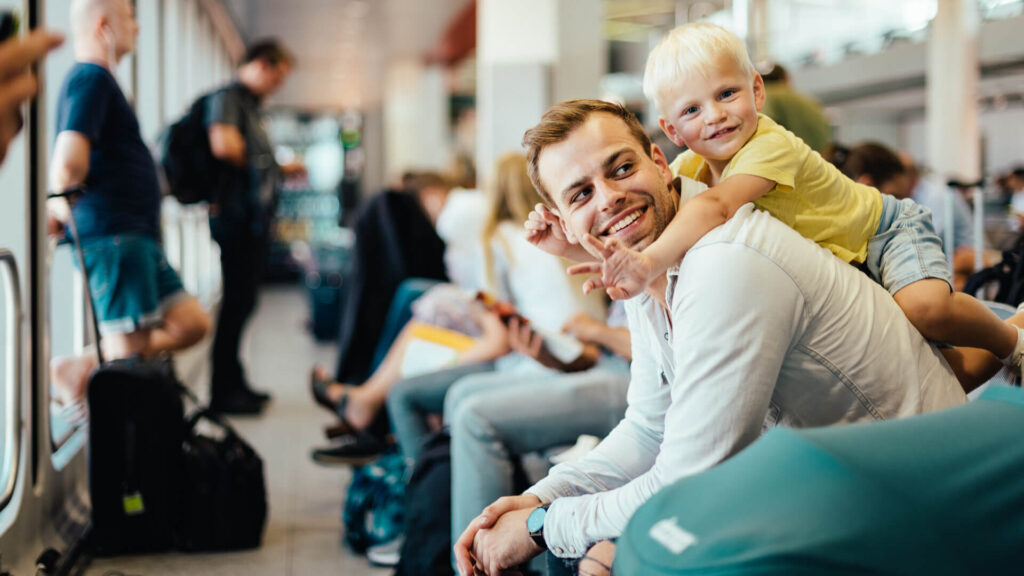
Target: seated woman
{"x":513,"y":271}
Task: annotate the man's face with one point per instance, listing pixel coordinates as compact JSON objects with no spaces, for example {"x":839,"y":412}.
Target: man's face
{"x":125,"y":28}
{"x":603,"y":183}
{"x":714,"y":116}
{"x":271,"y":76}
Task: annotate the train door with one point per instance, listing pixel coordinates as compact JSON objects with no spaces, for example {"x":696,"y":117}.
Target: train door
{"x":43,"y":474}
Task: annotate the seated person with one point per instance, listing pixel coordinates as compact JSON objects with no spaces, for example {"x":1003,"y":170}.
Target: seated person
{"x":514,"y":271}
{"x":934,"y":494}
{"x":395,"y":240}
{"x":495,"y":418}
{"x":756,"y":327}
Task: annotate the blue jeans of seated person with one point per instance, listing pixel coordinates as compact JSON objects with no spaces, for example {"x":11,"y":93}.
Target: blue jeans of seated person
{"x":495,"y":418}
{"x":561,"y":566}
{"x":411,"y":400}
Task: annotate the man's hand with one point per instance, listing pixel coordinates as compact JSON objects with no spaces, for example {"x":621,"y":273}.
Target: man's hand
{"x":544,"y":230}
{"x":465,"y":560}
{"x":17,"y":84}
{"x":624,"y":273}
{"x":58,"y":210}
{"x":506,"y":545}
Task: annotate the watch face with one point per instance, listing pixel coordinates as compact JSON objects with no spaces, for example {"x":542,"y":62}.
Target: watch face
{"x":535,"y":521}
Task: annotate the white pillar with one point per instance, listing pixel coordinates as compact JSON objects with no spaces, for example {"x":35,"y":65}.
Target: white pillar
{"x":149,"y":99}
{"x":530,"y":55}
{"x":951,"y":108}
{"x":416,"y":132}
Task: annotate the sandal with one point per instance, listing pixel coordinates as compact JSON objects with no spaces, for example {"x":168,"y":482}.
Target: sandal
{"x":342,"y":427}
{"x":318,"y":387}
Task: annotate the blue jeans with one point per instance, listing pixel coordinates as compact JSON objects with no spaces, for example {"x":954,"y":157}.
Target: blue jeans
{"x":495,"y":418}
{"x":412,"y":399}
{"x":906,"y":248}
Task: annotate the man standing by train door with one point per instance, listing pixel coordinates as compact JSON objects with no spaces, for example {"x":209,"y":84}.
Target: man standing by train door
{"x":140,"y":303}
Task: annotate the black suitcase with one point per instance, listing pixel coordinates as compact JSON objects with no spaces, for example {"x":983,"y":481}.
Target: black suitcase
{"x":136,"y":429}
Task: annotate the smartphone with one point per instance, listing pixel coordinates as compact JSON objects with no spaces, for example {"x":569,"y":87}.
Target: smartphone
{"x":504,"y":310}
{"x":9,"y":23}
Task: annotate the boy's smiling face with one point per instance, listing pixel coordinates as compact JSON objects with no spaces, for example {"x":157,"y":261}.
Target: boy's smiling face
{"x":715,"y":115}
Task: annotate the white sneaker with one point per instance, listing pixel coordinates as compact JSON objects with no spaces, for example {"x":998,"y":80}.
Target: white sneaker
{"x":386,"y":554}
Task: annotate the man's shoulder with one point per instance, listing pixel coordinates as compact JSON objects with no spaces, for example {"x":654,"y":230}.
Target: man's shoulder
{"x":750,"y":227}
{"x":84,"y":76}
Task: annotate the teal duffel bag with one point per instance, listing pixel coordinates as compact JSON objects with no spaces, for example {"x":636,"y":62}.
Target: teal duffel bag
{"x":937,"y":494}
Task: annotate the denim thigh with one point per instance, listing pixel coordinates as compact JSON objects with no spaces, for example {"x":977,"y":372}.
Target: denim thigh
{"x":906,"y":248}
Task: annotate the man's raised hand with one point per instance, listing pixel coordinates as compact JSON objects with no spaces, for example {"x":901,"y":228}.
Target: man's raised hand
{"x":622,"y":272}
{"x":544,"y":230}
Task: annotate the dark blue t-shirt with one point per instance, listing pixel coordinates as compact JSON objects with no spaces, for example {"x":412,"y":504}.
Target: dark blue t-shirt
{"x":122,"y":191}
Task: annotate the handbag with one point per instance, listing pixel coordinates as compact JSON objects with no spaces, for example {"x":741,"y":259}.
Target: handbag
{"x":223,"y":502}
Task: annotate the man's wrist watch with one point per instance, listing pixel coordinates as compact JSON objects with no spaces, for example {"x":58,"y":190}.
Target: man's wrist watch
{"x":535,"y":525}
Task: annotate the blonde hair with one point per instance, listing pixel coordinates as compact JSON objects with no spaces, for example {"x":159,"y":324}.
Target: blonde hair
{"x":688,"y":49}
{"x":511,"y":196}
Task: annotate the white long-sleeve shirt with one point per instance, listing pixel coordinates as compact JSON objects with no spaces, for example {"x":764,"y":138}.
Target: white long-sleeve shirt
{"x":764,"y":327}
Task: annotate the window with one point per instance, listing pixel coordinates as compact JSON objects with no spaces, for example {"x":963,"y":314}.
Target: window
{"x":13,"y":236}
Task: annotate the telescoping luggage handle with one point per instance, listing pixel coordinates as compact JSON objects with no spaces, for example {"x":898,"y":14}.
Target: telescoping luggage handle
{"x":80,"y":256}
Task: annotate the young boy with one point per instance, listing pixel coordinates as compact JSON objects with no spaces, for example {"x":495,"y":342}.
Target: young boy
{"x":708,"y":96}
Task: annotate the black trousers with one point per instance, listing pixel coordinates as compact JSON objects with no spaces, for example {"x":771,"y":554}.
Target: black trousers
{"x":242,"y":262}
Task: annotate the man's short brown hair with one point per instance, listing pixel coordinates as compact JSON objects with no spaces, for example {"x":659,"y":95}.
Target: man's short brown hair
{"x":560,"y":120}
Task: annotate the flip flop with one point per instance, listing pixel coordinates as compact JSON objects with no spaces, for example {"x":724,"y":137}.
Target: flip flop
{"x":318,"y":387}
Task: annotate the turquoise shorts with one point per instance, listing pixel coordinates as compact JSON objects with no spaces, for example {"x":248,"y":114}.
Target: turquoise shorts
{"x":131,"y":282}
{"x":905,"y":248}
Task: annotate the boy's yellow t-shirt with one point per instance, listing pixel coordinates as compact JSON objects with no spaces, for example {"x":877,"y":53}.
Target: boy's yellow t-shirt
{"x":810,"y":195}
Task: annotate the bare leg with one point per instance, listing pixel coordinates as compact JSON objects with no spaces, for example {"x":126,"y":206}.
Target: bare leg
{"x":185,"y":323}
{"x":954,"y":317}
{"x":974,"y":366}
{"x":364,"y":402}
{"x":70,"y":374}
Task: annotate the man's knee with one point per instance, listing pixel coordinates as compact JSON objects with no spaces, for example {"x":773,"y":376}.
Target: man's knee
{"x":187,"y":322}
{"x":469,"y":418}
{"x":126,"y":345}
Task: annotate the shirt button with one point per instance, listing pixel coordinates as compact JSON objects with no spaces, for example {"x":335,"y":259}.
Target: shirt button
{"x":666,"y":336}
{"x":559,"y":551}
{"x":572,"y":551}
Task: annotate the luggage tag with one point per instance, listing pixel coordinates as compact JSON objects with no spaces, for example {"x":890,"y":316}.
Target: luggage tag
{"x":133,"y":505}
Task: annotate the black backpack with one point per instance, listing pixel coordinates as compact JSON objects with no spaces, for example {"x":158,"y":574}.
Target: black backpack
{"x":1007,"y":277}
{"x":191,"y":170}
{"x":427,"y":548}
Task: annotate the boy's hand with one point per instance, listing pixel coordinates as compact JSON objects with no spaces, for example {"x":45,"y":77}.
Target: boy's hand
{"x":624,"y":273}
{"x":544,"y":230}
